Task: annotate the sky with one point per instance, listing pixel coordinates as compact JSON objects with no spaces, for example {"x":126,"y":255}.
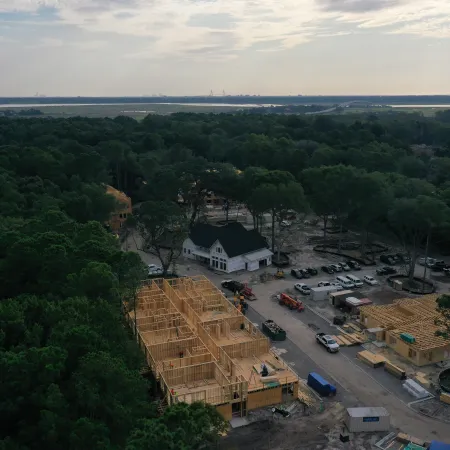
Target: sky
{"x":190,"y":47}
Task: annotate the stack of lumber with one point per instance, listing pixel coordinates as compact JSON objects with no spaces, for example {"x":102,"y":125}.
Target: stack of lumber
{"x":445,"y":398}
{"x":351,"y":327}
{"x":421,"y":378}
{"x":395,"y":370}
{"x":408,"y":439}
{"x":371,"y":359}
{"x":349,"y":339}
{"x":306,"y":398}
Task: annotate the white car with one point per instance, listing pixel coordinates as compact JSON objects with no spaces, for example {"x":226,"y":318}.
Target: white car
{"x":336,"y":285}
{"x":370,"y":280}
{"x":285,"y":223}
{"x":303,"y":288}
{"x":429,"y":261}
{"x":345,"y":266}
{"x":323,"y":283}
{"x":328,"y":342}
{"x":336,"y":267}
{"x":153,"y":269}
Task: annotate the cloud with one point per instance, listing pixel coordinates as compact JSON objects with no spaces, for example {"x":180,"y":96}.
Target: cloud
{"x":183,"y":28}
{"x":357,"y":6}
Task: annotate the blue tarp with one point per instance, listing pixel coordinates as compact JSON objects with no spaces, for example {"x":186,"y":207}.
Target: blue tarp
{"x":436,"y":445}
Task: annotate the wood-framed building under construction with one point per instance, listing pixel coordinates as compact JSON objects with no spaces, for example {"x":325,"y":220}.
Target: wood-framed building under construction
{"x":407,"y":326}
{"x":201,"y":348}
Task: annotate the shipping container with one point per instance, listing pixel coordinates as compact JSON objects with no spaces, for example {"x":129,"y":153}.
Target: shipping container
{"x":320,"y":385}
{"x":369,"y":419}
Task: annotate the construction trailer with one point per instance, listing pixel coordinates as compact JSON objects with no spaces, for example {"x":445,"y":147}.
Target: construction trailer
{"x":201,"y":348}
{"x":408,"y":327}
{"x":367,"y":419}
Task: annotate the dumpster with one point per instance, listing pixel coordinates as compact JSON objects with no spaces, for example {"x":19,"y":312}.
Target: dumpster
{"x":272,"y":330}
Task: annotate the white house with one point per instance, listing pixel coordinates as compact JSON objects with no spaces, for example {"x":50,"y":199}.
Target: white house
{"x":227,"y":248}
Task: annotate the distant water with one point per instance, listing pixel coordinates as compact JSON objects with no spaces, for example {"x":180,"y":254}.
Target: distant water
{"x":40,"y":105}
{"x":420,"y":106}
{"x":236,"y":105}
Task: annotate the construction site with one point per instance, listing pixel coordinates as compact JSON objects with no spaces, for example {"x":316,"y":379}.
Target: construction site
{"x":201,"y":348}
{"x":408,"y":327}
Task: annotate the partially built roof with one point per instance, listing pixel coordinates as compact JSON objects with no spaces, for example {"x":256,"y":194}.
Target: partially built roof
{"x":412,"y":316}
{"x":402,"y":311}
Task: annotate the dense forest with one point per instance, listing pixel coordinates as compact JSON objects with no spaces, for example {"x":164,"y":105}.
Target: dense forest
{"x":70,"y":369}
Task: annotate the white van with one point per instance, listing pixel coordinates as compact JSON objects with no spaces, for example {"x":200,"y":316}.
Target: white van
{"x":355,"y":280}
{"x":344,"y":282}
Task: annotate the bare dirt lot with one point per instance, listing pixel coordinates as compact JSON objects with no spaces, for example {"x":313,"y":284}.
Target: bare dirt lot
{"x":319,"y":432}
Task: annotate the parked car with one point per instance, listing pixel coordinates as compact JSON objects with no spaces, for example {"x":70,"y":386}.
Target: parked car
{"x":302,"y":288}
{"x":354,"y":265}
{"x":344,"y":282}
{"x":428,"y":262}
{"x":447,"y":271}
{"x":305,"y":273}
{"x":355,"y":280}
{"x":285,"y":223}
{"x":328,"y":342}
{"x":345,"y":266}
{"x":153,"y":269}
{"x":386,"y":270}
{"x":328,"y":269}
{"x":296,"y":273}
{"x":231,"y":285}
{"x":405,"y":259}
{"x":312,"y":271}
{"x":438,"y":266}
{"x":370,"y":280}
{"x":336,"y":267}
{"x":323,"y":283}
{"x":387,"y":259}
{"x":336,"y":285}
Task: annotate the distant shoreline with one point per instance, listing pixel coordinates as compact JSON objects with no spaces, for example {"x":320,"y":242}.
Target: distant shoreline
{"x":423,"y":101}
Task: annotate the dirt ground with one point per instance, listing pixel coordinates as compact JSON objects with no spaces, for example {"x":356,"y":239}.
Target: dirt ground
{"x":434,"y":408}
{"x":318,"y":432}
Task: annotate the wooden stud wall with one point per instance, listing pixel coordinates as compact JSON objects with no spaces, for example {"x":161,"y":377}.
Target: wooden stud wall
{"x":169,"y":350}
{"x":176,"y":363}
{"x":247,"y":349}
{"x":200,"y":373}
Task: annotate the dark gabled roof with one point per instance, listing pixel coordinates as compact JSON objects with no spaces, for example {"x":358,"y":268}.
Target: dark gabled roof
{"x":234,"y":238}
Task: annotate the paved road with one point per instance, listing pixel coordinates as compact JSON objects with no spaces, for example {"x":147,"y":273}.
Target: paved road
{"x":302,"y":364}
{"x":349,"y":375}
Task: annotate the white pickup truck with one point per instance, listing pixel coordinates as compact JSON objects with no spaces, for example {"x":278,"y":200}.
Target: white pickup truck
{"x":328,"y":342}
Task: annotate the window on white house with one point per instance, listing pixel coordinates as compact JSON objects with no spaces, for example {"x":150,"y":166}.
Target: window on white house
{"x":184,"y":250}
{"x":218,"y":250}
{"x":221,"y":266}
{"x":189,"y":252}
